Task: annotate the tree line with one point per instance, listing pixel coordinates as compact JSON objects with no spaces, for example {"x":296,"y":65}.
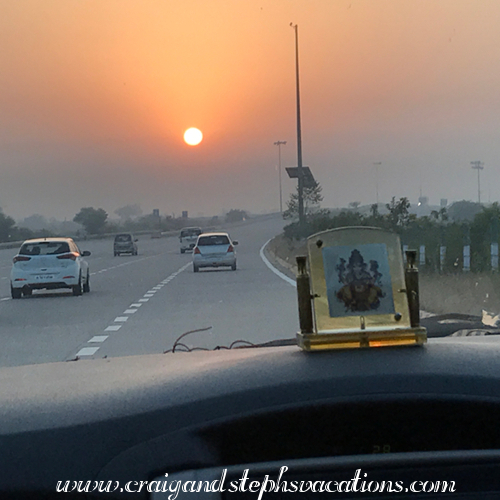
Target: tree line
{"x":464,"y":224}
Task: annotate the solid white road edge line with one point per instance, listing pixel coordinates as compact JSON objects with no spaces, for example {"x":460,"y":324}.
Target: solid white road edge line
{"x":290,"y":281}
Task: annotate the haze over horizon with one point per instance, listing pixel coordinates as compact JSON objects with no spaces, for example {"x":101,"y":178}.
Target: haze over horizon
{"x":95,"y":97}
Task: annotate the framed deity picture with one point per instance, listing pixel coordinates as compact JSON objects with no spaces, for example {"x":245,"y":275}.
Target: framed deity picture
{"x":357,"y":281}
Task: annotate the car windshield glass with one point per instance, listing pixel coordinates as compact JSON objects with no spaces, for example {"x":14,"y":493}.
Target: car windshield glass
{"x":45,"y":248}
{"x":167,"y":140}
{"x":213,"y":240}
{"x":185,"y":233}
{"x":123,"y":238}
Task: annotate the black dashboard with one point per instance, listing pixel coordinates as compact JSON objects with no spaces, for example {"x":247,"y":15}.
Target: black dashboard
{"x":414,"y":412}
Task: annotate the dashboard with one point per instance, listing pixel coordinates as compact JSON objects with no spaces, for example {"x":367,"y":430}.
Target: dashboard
{"x":396,"y":414}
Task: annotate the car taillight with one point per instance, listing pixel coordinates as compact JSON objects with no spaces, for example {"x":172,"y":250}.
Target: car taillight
{"x":230,"y":249}
{"x":20,"y":258}
{"x":196,"y":250}
{"x":71,"y":255}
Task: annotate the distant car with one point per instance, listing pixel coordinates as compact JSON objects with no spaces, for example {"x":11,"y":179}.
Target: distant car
{"x":49,"y":263}
{"x":188,"y":237}
{"x":214,"y":250}
{"x":125,"y":243}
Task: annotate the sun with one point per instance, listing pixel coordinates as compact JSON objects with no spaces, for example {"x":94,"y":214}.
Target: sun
{"x":193,"y":136}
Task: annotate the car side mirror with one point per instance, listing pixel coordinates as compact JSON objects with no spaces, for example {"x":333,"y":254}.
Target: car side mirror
{"x":86,"y":253}
{"x":235,"y":242}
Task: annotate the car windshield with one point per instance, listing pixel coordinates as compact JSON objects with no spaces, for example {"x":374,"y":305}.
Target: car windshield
{"x":185,"y":233}
{"x":123,"y":238}
{"x":157,"y":120}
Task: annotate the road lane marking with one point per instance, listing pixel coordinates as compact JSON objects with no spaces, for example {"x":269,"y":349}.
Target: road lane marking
{"x":290,"y":281}
{"x":113,"y":328}
{"x":125,"y":264}
{"x":87,"y":351}
{"x":99,"y":338}
{"x":90,"y":351}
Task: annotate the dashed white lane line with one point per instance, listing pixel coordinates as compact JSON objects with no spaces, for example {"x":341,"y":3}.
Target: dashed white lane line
{"x":87,"y":351}
{"x":290,"y":281}
{"x":133,"y":308}
{"x":99,"y":338}
{"x":123,"y":264}
{"x":113,"y":328}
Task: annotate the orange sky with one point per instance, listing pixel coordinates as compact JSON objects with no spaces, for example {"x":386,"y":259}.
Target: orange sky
{"x":95,"y":96}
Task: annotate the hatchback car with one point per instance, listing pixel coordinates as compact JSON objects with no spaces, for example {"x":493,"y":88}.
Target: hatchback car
{"x":49,"y":263}
{"x":214,"y":250}
{"x":125,"y":243}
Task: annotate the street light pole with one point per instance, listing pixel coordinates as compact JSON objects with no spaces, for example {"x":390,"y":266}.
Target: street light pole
{"x":279,"y":144}
{"x":478,"y":165}
{"x":299,"y":135}
{"x":377,"y":164}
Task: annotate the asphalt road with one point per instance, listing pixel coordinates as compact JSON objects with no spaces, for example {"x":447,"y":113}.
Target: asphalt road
{"x":142,"y":304}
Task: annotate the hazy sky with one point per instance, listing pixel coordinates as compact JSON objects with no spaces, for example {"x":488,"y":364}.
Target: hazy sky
{"x":95,"y":96}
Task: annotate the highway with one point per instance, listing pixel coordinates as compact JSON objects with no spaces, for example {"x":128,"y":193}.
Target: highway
{"x":142,"y":304}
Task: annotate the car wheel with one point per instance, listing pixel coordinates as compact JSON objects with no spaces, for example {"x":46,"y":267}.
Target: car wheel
{"x":86,"y":287}
{"x":27,"y":292}
{"x":15,"y":292}
{"x":116,"y":254}
{"x":195,"y":268}
{"x":183,"y":250}
{"x":77,"y":289}
{"x":233,"y":267}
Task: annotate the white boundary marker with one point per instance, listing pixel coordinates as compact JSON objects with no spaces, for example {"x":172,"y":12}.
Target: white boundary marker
{"x":290,"y":281}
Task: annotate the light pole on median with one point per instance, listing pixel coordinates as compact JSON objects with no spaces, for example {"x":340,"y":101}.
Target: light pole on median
{"x":478,"y":165}
{"x":377,"y":164}
{"x":300,"y":171}
{"x":279,"y":144}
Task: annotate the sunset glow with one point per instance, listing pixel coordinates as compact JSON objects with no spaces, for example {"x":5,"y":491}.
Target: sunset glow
{"x":93,"y":96}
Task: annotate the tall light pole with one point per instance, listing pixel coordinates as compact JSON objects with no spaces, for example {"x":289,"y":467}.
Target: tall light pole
{"x":300,"y":171}
{"x":478,"y":165}
{"x":377,"y":164}
{"x":279,"y":144}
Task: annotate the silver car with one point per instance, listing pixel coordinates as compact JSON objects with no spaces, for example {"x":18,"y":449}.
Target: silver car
{"x":214,"y":250}
{"x":125,"y":243}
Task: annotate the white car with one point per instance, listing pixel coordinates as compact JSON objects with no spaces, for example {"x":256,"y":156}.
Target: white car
{"x":188,"y":237}
{"x":49,"y":263}
{"x":214,"y":250}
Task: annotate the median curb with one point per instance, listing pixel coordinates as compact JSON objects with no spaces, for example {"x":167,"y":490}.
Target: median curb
{"x":282,"y":265}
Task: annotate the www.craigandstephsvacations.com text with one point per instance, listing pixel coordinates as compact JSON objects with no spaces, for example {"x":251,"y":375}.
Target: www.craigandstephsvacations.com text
{"x":359,"y":483}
